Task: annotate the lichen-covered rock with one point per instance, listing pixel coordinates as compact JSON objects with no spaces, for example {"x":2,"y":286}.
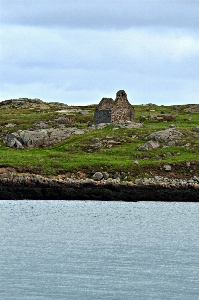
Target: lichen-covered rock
{"x":165,"y":135}
{"x":97,"y":176}
{"x":167,"y":168}
{"x":13,"y":140}
{"x":105,"y":175}
{"x":196,"y":129}
{"x":152,"y":145}
{"x":149,"y":145}
{"x":39,"y":138}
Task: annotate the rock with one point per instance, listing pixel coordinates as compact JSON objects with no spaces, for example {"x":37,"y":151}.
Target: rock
{"x":35,"y":138}
{"x":196,"y":129}
{"x":97,"y":176}
{"x":78,"y":131}
{"x":152,"y":145}
{"x":142,"y":148}
{"x":117,"y":175}
{"x":171,"y":143}
{"x":169,"y":154}
{"x":123,"y":175}
{"x":149,"y":145}
{"x":175,"y":107}
{"x":143,"y":118}
{"x":41,"y":125}
{"x":83,"y":112}
{"x":174,"y":143}
{"x":40,"y":137}
{"x":167,"y":168}
{"x":10,"y":125}
{"x":165,"y":135}
{"x":129,"y":125}
{"x":158,"y":118}
{"x":30,"y":104}
{"x":136,"y":162}
{"x":64,"y":120}
{"x":105,"y":175}
{"x":13,"y":140}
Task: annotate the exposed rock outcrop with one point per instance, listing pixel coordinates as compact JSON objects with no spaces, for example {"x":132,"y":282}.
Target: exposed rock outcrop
{"x":30,"y":103}
{"x":149,"y":145}
{"x":39,"y":138}
{"x":165,"y":135}
{"x":170,"y":136}
{"x":158,"y":118}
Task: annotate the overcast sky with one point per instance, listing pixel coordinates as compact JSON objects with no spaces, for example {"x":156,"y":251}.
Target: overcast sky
{"x":77,"y":52}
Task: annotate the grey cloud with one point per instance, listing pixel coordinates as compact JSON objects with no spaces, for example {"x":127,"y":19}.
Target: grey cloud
{"x":101,"y":14}
{"x":152,"y":53}
{"x":74,"y":88}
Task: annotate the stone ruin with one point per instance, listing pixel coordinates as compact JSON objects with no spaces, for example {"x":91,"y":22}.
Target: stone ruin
{"x":118,"y":111}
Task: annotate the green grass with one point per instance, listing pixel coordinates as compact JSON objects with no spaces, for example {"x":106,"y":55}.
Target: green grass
{"x":72,"y":156}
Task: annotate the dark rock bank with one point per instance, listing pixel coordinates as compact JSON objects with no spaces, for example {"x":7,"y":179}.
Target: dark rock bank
{"x":28,"y":186}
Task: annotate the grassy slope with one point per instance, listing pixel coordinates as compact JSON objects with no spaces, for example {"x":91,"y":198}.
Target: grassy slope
{"x":71,"y":155}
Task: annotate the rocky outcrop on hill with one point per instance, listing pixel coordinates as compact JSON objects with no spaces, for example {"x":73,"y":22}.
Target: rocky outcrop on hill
{"x":125,"y":125}
{"x":165,"y":135}
{"x":170,"y":137}
{"x":159,"y":118}
{"x":30,"y":103}
{"x":39,"y":138}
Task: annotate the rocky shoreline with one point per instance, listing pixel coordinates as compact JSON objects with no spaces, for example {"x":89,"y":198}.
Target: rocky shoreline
{"x":19,"y":186}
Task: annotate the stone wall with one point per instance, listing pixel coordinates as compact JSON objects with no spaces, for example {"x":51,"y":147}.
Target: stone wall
{"x":118,"y":111}
{"x":102,"y":116}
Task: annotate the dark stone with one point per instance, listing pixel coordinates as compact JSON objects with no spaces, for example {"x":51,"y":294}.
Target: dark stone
{"x":107,"y":192}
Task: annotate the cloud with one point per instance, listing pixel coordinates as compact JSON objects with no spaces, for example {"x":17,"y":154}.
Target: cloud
{"x":79,"y":52}
{"x":98,"y":14}
{"x":134,"y":49}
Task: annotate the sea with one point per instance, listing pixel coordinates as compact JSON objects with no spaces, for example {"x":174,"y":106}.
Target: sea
{"x":90,"y":250}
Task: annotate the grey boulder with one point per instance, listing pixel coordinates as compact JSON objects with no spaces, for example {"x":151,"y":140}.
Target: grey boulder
{"x":149,"y":145}
{"x":165,"y":135}
{"x":39,"y":138}
{"x":97,"y":176}
{"x":13,"y":140}
{"x":196,"y":129}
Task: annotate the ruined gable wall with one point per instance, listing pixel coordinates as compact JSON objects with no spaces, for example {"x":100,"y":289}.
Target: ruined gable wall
{"x":105,"y":103}
{"x":122,"y":110}
{"x":122,"y":113}
{"x":103,"y":111}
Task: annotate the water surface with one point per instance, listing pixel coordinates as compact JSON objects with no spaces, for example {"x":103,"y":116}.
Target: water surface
{"x":99,"y":250}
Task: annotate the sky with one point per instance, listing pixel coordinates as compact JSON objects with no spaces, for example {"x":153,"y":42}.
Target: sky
{"x":77,"y":52}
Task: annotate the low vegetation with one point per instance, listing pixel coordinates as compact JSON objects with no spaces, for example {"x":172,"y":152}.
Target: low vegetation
{"x":110,"y":149}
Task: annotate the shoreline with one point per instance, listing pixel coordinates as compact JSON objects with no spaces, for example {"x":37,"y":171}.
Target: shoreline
{"x":20,"y":186}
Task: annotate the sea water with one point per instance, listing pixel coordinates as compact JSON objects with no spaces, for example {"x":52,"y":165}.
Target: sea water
{"x":99,"y":250}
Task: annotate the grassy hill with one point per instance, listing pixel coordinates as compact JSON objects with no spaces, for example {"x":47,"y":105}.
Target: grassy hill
{"x":111,"y":149}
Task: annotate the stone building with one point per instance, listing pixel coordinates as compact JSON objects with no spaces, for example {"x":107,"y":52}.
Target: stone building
{"x":110,"y":111}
